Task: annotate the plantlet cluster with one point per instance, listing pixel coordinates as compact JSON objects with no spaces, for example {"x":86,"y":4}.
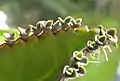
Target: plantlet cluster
{"x":77,"y":63}
{"x":76,"y":66}
{"x":79,"y":60}
{"x":43,"y":27}
{"x":102,"y":40}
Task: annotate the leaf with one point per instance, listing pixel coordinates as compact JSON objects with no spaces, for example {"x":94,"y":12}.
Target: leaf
{"x":67,"y":19}
{"x":49,"y":23}
{"x":43,"y":59}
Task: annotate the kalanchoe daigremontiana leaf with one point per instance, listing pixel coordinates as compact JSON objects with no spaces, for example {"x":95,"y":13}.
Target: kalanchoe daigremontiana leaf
{"x":24,"y":33}
{"x":9,"y":38}
{"x":79,"y":60}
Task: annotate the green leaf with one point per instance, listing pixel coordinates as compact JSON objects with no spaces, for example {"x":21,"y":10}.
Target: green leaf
{"x":67,"y":19}
{"x":49,"y":23}
{"x":43,"y":59}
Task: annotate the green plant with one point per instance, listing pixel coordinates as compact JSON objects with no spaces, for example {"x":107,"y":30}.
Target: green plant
{"x":41,"y":54}
{"x":77,"y":63}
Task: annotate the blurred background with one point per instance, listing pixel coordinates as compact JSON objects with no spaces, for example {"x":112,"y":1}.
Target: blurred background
{"x":14,"y":13}
{"x":93,"y":12}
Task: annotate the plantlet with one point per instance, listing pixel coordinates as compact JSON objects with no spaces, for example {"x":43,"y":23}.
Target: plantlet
{"x":9,"y":38}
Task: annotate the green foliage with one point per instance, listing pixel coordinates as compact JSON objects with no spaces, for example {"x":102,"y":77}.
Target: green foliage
{"x":43,"y":59}
{"x":40,"y":60}
{"x":26,"y":61}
